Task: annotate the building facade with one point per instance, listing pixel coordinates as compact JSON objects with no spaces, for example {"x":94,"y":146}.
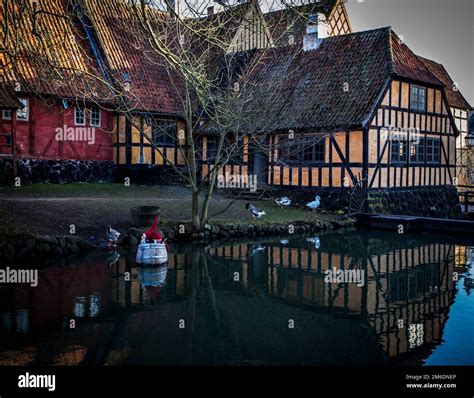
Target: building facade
{"x":325,"y":108}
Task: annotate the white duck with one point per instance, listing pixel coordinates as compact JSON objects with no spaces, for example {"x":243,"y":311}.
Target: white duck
{"x":255,"y":249}
{"x":315,"y":241}
{"x":112,"y":258}
{"x":283,"y":202}
{"x":112,"y":235}
{"x":315,"y":204}
{"x":256,"y":213}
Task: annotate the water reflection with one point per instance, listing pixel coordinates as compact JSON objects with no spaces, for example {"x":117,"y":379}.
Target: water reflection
{"x":152,"y":280}
{"x":232,"y":304}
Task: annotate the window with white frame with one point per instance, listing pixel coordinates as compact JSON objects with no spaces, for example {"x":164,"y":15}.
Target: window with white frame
{"x":418,"y":98}
{"x":23,"y":113}
{"x":7,"y":114}
{"x":95,"y":116}
{"x":79,"y":116}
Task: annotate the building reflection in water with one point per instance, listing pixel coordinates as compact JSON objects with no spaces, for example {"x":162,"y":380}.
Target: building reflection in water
{"x":409,"y":284}
{"x":408,"y":289}
{"x":17,"y":321}
{"x":404,"y":301}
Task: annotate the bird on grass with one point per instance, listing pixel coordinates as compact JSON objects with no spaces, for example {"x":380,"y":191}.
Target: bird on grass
{"x":314,"y":204}
{"x":256,"y":213}
{"x":283,"y":202}
{"x":112,"y":235}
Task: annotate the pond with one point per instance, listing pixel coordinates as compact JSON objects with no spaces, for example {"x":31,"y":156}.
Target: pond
{"x":352,"y":297}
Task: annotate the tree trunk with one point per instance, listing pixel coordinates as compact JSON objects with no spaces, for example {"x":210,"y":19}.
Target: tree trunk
{"x":195,"y":210}
{"x":212,"y":183}
{"x":207,"y":200}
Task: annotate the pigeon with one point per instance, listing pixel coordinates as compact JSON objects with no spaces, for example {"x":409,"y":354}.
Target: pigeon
{"x":283,"y":202}
{"x":315,"y":241}
{"x":256,"y":213}
{"x":315,"y":204}
{"x":112,"y":235}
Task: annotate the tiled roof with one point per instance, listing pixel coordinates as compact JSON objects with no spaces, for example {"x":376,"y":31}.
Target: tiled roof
{"x":292,"y":21}
{"x":407,"y":65}
{"x":51,"y":57}
{"x":334,"y":87}
{"x":8,"y":99}
{"x":455,"y":98}
{"x":129,"y":56}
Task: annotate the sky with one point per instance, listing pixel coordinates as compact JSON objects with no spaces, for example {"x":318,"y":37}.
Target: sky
{"x":442,"y":30}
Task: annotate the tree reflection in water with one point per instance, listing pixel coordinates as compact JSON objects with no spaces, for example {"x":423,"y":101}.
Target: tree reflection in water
{"x":232,"y":303}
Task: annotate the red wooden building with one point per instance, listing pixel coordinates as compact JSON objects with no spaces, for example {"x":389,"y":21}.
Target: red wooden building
{"x":62,"y":111}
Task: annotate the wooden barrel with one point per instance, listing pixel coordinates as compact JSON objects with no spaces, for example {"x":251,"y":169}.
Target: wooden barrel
{"x":151,"y":253}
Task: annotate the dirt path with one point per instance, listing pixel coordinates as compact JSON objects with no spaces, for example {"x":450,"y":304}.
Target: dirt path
{"x":49,"y":209}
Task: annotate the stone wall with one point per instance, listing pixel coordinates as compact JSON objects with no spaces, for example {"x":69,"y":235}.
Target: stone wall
{"x":41,"y":247}
{"x":6,"y":172}
{"x":442,"y":202}
{"x":32,"y":171}
{"x":185,"y":233}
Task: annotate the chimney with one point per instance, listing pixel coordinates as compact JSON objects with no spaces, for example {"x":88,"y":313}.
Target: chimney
{"x":210,"y":10}
{"x":316,"y":31}
{"x":220,"y":5}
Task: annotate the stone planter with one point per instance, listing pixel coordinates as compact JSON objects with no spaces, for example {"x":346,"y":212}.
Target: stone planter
{"x":143,"y":216}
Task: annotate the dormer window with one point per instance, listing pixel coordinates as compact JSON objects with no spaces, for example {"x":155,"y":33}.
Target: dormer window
{"x":418,"y":98}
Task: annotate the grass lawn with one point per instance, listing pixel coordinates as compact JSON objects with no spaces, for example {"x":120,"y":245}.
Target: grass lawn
{"x":52,"y":208}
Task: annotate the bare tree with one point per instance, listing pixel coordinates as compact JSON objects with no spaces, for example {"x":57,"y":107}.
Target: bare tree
{"x":208,"y":56}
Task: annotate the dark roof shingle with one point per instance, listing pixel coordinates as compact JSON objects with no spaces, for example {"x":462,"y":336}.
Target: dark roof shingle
{"x":8,"y":99}
{"x":455,"y":98}
{"x":333,"y":87}
{"x":130,"y":58}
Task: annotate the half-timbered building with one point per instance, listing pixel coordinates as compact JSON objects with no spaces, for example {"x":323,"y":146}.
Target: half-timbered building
{"x":460,"y":109}
{"x":355,"y":106}
{"x":288,"y":25}
{"x":324,"y":107}
{"x":155,"y":94}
